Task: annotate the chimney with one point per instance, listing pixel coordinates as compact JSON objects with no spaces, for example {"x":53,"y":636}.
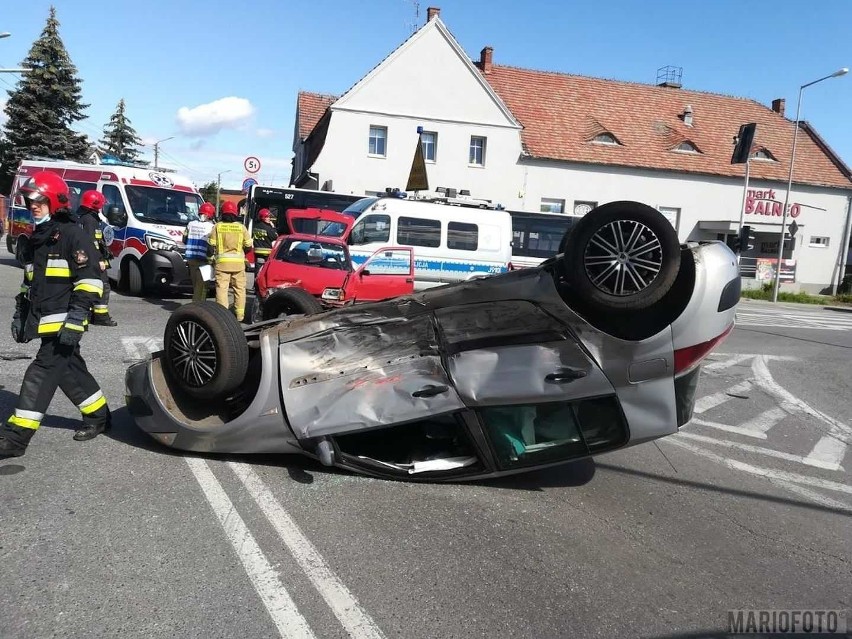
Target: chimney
{"x":485,"y":57}
{"x":432,"y":12}
{"x":687,"y":115}
{"x":778,"y":106}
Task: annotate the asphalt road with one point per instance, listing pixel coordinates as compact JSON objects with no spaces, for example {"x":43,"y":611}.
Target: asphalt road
{"x":748,"y":508}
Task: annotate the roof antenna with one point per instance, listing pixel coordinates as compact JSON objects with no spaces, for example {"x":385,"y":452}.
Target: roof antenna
{"x":413,"y":25}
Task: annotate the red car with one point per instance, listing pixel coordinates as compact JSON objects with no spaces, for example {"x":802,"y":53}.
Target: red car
{"x":310,"y":270}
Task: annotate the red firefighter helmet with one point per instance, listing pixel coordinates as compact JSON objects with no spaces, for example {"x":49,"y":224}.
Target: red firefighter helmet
{"x":263,"y":214}
{"x":94,"y":200}
{"x":229,"y":208}
{"x":46,"y":187}
{"x":207,"y":210}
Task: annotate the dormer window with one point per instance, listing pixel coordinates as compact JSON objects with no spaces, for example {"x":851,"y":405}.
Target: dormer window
{"x":606,"y":138}
{"x":763,"y":154}
{"x":686,"y":147}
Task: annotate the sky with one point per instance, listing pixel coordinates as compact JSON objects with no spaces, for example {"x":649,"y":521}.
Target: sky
{"x":223,"y":80}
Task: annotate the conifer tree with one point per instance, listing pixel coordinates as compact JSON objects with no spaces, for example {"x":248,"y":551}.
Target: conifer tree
{"x":120,"y":138}
{"x":46,"y":102}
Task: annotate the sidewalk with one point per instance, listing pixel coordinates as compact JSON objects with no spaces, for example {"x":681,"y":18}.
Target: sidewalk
{"x":796,"y":305}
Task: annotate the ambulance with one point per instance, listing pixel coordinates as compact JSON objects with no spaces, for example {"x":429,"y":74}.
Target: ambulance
{"x":143,"y":220}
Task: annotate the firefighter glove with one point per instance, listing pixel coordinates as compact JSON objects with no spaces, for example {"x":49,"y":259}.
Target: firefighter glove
{"x":70,"y":334}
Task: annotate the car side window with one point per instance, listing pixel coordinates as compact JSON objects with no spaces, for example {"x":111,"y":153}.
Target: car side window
{"x":113,"y":197}
{"x":371,"y":229}
{"x":415,"y":231}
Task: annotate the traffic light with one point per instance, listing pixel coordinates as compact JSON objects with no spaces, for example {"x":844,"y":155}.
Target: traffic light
{"x":746,"y":239}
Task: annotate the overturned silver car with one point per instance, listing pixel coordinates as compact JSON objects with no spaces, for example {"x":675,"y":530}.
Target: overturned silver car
{"x":596,"y":349}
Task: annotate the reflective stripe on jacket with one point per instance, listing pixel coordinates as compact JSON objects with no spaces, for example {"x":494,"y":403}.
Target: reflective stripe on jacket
{"x":196,"y":239}
{"x":230,"y":240}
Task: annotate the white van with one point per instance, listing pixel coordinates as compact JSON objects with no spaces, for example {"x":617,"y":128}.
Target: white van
{"x":147,"y":212}
{"x":452,"y":243}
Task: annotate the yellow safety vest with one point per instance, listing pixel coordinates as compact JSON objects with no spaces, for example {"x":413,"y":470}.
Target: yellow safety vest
{"x":230,"y":239}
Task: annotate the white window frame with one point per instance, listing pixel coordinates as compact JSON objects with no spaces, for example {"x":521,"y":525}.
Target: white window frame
{"x":550,"y":202}
{"x":434,"y":145}
{"x":471,"y":154}
{"x":814,"y":241}
{"x":671,"y":210}
{"x":384,"y":130}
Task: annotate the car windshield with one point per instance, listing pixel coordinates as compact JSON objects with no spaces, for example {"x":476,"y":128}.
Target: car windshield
{"x":311,"y":253}
{"x":165,"y":206}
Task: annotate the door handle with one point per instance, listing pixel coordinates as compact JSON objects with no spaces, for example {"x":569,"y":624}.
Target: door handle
{"x":565,"y":375}
{"x":409,"y":280}
{"x":430,"y":391}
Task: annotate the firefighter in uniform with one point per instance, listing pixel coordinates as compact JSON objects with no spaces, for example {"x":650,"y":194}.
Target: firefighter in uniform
{"x":230,"y":241}
{"x":88,"y":218}
{"x":196,"y":237}
{"x":62,"y":282}
{"x":263,"y":236}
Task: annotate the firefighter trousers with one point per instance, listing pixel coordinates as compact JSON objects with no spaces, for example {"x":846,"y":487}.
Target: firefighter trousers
{"x":199,"y":285}
{"x":235,"y":281}
{"x":100,"y":309}
{"x":62,"y":366}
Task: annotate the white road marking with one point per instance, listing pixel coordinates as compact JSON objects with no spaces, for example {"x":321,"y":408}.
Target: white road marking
{"x":765,"y":421}
{"x":729,"y":429}
{"x":748,"y":448}
{"x":716,"y":399}
{"x":769,"y":317}
{"x":346,"y":608}
{"x":828,"y":453}
{"x":778,"y":477}
{"x":279,"y":604}
{"x":763,"y":379}
{"x":138,"y":347}
{"x":727,"y":363}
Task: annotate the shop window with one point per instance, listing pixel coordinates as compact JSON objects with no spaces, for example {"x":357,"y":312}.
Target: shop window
{"x":819,"y":241}
{"x":582,"y":207}
{"x":551,"y":205}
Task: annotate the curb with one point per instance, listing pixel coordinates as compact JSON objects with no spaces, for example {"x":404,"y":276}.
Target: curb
{"x":839,"y":309}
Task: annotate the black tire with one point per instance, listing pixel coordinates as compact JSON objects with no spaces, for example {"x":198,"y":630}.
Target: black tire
{"x":290,"y":301}
{"x":135,"y":285}
{"x":10,"y":244}
{"x":206,"y":353}
{"x":621,"y":256}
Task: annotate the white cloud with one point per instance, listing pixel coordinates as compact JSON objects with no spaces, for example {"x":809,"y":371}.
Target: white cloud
{"x":210,"y":118}
{"x":265,"y":133}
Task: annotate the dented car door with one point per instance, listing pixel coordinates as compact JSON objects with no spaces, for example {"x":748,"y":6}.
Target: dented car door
{"x":365,"y":376}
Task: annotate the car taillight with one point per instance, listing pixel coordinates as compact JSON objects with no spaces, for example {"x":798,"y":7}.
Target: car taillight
{"x":686,"y":359}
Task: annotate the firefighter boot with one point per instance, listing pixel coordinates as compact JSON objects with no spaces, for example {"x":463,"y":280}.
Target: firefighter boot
{"x":99,"y":319}
{"x":91,"y":429}
{"x":14,"y":440}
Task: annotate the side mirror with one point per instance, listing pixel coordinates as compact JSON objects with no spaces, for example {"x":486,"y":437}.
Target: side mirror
{"x":365,"y":272}
{"x":116,"y":216}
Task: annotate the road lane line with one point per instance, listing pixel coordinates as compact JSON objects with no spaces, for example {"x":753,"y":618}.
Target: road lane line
{"x":707,"y":402}
{"x":727,"y":363}
{"x":346,"y":608}
{"x":279,"y":604}
{"x":807,"y":493}
{"x":763,"y":378}
{"x":748,"y":448}
{"x":767,"y":473}
{"x":765,"y":421}
{"x":828,"y":453}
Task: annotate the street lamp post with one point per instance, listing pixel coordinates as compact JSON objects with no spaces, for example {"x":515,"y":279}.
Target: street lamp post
{"x":157,"y":150}
{"x":219,"y":187}
{"x":777,"y":285}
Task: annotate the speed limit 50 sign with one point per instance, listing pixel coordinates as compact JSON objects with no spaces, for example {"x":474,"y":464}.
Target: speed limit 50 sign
{"x":251,"y":164}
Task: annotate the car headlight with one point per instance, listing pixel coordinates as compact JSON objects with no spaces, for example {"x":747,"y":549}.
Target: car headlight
{"x":335,"y":294}
{"x":159,"y":244}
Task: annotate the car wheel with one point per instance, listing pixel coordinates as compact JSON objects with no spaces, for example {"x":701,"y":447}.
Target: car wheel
{"x":134,"y":278}
{"x":290,"y":301}
{"x":621,"y":256}
{"x":206,"y":353}
{"x":10,"y":245}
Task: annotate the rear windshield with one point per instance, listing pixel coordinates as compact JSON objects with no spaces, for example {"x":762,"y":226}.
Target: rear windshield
{"x":311,"y":253}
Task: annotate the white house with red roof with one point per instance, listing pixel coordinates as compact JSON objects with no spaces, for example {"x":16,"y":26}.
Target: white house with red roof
{"x":544,"y":141}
